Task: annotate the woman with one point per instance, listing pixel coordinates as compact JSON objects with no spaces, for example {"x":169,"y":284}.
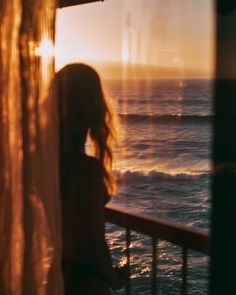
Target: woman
{"x":86,"y":182}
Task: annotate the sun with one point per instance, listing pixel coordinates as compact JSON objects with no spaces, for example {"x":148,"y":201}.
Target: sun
{"x":45,"y":49}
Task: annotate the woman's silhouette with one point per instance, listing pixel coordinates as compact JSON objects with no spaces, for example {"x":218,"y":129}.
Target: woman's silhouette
{"x":86,"y":182}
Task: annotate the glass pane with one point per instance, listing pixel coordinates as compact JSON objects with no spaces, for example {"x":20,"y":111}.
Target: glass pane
{"x":156,"y":61}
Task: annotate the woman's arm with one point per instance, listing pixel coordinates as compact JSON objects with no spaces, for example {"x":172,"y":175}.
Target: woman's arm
{"x":99,"y":252}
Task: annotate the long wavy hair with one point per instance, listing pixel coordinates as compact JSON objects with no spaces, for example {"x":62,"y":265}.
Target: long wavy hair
{"x":84,"y":111}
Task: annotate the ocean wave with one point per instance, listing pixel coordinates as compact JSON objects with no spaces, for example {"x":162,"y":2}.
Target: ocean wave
{"x":136,"y":118}
{"x":135,"y":101}
{"x":162,"y":100}
{"x":130,"y":177}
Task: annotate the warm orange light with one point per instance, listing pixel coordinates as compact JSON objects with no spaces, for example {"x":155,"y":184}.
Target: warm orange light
{"x":45,"y":49}
{"x":145,"y":36}
{"x":46,"y":52}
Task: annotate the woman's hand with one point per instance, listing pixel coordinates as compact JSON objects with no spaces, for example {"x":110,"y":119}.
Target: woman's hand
{"x":123,"y":275}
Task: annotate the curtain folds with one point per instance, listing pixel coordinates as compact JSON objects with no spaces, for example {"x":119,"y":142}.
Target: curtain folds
{"x":30,"y":227}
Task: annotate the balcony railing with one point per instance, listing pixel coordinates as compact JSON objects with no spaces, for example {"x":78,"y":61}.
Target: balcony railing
{"x":159,"y":229}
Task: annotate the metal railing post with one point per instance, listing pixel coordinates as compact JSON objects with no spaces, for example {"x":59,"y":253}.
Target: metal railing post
{"x":128,"y":285}
{"x":184,"y":272}
{"x":154,"y":270}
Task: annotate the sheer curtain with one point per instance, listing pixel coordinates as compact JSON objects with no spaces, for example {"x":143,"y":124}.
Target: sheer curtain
{"x":29,"y":200}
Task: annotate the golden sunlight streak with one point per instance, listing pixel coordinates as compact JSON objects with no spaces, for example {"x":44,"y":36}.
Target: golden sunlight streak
{"x":46,"y":52}
{"x":125,"y":53}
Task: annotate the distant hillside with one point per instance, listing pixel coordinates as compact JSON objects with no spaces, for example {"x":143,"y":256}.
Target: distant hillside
{"x":113,"y":70}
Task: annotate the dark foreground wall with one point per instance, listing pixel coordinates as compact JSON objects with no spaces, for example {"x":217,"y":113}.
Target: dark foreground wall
{"x":223,"y":243}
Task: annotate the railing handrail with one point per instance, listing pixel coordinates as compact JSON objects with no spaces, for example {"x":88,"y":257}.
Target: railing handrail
{"x":159,"y":228}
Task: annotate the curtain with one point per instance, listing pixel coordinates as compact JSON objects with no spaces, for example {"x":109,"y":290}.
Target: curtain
{"x":30,"y":226}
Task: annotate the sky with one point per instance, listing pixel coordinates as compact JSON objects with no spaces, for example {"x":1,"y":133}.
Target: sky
{"x":157,"y":33}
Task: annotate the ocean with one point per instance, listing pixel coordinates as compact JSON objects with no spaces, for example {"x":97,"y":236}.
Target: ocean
{"x":163,"y":166}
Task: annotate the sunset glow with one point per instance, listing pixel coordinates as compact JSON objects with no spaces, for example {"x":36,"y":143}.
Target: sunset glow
{"x":154,"y":34}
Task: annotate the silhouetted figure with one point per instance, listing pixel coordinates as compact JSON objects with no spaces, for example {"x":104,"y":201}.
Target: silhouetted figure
{"x":86,"y":182}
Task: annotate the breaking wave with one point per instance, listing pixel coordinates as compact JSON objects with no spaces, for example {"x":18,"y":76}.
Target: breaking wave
{"x":130,"y":177}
